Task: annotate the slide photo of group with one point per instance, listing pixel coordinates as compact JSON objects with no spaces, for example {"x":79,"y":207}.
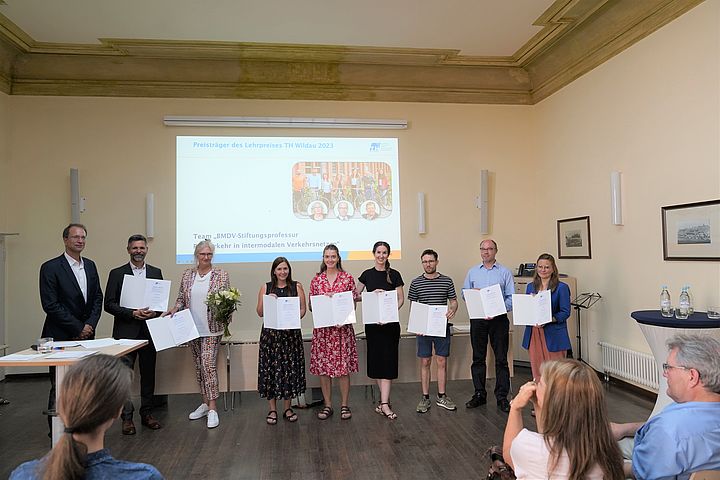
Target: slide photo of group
{"x":342,"y":191}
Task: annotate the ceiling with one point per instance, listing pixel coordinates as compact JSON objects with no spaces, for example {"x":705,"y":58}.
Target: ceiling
{"x":474,"y":27}
{"x":457,"y":51}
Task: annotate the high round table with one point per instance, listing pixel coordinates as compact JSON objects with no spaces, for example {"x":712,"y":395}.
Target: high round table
{"x":658,"y":330}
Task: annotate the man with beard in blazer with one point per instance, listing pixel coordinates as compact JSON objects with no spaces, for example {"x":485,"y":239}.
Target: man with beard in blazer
{"x":131,"y":323}
{"x":70,"y":295}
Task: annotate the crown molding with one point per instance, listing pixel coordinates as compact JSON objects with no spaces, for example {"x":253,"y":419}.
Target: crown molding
{"x":564,"y":63}
{"x":576,"y":36}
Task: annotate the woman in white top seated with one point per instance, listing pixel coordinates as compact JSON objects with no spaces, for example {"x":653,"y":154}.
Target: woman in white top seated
{"x":573,"y":439}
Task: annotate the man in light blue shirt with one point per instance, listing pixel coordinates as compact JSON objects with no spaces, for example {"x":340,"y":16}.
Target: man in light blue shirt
{"x":685,"y":436}
{"x":497,"y":329}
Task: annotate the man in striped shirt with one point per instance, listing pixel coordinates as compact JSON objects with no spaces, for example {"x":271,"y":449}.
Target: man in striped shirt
{"x":434,"y":288}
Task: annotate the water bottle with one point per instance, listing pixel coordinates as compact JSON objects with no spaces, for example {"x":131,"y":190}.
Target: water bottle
{"x":683,"y":309}
{"x":691,"y":310}
{"x":665,"y":304}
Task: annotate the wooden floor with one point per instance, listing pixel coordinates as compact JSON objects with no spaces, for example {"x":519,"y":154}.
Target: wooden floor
{"x":437,"y":445}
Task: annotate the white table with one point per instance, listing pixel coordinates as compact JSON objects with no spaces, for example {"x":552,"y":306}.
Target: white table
{"x":61,"y":366}
{"x":658,"y":330}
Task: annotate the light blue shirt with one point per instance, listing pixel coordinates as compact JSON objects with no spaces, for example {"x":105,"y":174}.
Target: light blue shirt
{"x":481,"y":277}
{"x":99,"y":466}
{"x":683,"y":438}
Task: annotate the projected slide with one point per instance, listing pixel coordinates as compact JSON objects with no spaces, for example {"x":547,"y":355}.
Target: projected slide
{"x":260,"y":197}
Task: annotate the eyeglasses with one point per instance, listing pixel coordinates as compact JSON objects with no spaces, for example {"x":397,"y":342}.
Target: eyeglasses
{"x":77,"y":237}
{"x":487,"y":249}
{"x":205,"y":254}
{"x":667,"y":367}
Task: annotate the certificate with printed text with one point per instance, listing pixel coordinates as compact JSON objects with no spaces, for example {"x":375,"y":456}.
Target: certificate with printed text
{"x":532,"y":309}
{"x":380,"y":307}
{"x":140,"y":292}
{"x":332,"y":311}
{"x":485,"y":302}
{"x":430,"y":320}
{"x":172,"y":330}
{"x":281,"y":313}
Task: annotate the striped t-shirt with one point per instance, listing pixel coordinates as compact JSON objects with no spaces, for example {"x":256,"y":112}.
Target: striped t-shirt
{"x":435,"y":291}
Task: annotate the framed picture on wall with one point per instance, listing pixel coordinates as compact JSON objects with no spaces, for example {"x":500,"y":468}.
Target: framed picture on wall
{"x":574,"y":237}
{"x":691,"y":231}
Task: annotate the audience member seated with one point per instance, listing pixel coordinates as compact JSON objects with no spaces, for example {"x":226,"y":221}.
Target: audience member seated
{"x":573,"y":439}
{"x":92,"y":396}
{"x":685,"y":436}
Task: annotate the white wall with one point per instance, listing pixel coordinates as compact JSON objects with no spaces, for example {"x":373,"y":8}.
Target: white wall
{"x":123,"y":151}
{"x":651,"y":113}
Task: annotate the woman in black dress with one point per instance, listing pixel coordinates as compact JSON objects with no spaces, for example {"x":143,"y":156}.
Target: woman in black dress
{"x":281,"y":362}
{"x":383,"y":339}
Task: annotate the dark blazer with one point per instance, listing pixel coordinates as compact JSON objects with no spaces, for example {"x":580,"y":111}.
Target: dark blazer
{"x":125,"y":325}
{"x":63,"y":302}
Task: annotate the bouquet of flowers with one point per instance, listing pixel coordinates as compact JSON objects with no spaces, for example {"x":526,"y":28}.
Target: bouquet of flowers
{"x":222,"y":304}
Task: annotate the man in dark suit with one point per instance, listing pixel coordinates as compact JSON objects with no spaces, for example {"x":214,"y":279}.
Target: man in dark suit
{"x":70,"y":295}
{"x":131,"y":323}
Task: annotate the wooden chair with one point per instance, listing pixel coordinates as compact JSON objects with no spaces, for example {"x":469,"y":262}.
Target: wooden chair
{"x":706,"y":475}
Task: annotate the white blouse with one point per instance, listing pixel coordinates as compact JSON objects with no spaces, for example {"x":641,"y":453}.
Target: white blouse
{"x":198,"y":307}
{"x":531,"y":458}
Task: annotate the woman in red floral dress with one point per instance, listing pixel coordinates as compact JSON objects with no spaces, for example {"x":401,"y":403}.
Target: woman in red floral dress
{"x":334,"y":352}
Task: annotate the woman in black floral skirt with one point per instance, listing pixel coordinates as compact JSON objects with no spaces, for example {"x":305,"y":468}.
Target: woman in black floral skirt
{"x":281,"y":362}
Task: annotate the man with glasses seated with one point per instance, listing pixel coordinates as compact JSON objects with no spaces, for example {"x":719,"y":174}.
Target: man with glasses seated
{"x":685,"y":436}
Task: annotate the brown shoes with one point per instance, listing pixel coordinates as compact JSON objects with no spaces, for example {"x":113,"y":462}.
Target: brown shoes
{"x":150,"y":422}
{"x":128,"y":427}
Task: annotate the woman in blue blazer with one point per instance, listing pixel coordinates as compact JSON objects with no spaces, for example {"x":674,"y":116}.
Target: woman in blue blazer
{"x":549,"y":341}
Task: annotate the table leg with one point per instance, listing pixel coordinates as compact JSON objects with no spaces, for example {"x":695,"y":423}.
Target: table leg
{"x":58,"y":427}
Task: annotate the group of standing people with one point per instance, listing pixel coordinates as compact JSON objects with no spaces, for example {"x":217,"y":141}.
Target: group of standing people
{"x":333,"y":354}
{"x":72,"y":298}
{"x":574,"y":440}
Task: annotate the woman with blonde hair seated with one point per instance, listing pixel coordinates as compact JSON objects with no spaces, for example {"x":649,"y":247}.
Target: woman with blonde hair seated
{"x":92,"y":395}
{"x":573,"y":440}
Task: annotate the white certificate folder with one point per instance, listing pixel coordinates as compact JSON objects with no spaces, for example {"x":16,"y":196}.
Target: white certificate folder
{"x":139,"y":292}
{"x":281,"y":313}
{"x":430,"y":320}
{"x":380,"y":307}
{"x":532,"y":309}
{"x":485,"y":302}
{"x":171,"y":331}
{"x":332,"y":311}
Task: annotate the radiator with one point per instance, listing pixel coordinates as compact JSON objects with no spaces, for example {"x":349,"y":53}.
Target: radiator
{"x":626,"y":364}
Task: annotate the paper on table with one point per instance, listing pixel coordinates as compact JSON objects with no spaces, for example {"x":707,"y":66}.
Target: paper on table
{"x":98,"y":343}
{"x":66,"y":343}
{"x":20,"y":357}
{"x":139,"y":292}
{"x":172,"y":330}
{"x":380,"y":307}
{"x":331,"y":311}
{"x":128,"y":342}
{"x":485,"y":302}
{"x":281,"y":313}
{"x":430,"y":320}
{"x":71,"y":354}
{"x":532,"y":309}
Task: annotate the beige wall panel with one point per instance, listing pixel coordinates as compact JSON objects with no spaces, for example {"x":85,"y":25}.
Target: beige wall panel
{"x":123,"y":150}
{"x":651,"y":113}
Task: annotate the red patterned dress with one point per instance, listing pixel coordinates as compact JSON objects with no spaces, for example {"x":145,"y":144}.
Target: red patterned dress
{"x":333,"y":352}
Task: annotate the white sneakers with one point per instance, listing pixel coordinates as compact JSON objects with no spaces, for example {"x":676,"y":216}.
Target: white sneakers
{"x":204,"y":411}
{"x":199,"y":412}
{"x":213,"y":420}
